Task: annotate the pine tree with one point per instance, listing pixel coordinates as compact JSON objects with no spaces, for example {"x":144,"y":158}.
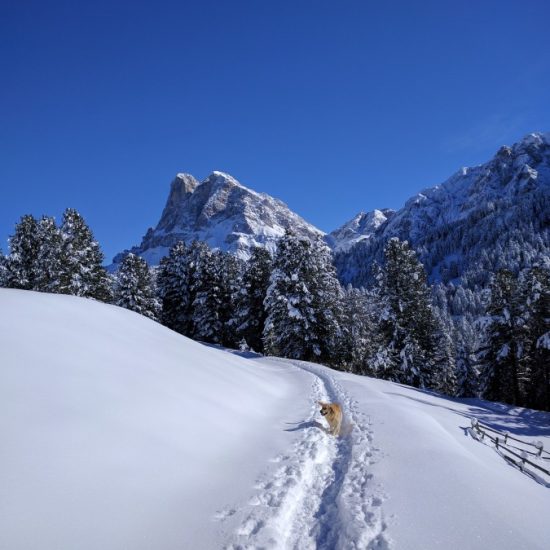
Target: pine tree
{"x":3,"y":270}
{"x":229,"y":274}
{"x":207,"y":287}
{"x":174,"y":289}
{"x":536,"y":297}
{"x":302,"y":302}
{"x":467,"y":361}
{"x":503,"y":340}
{"x":359,"y":339}
{"x":250,"y":314}
{"x":83,"y":272}
{"x":49,"y":265}
{"x":22,"y":261}
{"x":134,"y":287}
{"x":407,"y":322}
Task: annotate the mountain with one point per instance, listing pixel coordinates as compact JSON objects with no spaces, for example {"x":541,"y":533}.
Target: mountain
{"x":358,"y":229}
{"x":119,"y":433}
{"x":223,"y":213}
{"x":481,"y":219}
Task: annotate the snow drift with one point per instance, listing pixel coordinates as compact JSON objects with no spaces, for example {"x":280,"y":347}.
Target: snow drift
{"x":118,"y":433}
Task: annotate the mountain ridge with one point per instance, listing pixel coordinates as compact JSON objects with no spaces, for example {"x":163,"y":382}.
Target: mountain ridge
{"x":228,"y":215}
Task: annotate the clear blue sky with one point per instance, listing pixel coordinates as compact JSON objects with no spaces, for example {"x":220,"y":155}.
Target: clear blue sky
{"x":333,"y":107}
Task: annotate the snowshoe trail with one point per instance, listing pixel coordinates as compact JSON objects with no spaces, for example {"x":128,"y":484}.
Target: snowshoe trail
{"x":320,"y":495}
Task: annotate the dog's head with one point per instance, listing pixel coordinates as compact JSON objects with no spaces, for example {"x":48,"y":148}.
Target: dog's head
{"x":326,"y":409}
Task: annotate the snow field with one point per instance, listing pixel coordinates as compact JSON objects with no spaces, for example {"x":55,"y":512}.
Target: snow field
{"x":118,"y":433}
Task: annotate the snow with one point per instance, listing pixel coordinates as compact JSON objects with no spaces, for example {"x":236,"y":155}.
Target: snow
{"x":119,"y":433}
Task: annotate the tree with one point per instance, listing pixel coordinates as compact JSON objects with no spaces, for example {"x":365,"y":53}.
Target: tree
{"x":83,"y":273}
{"x":207,"y":288}
{"x":302,"y":302}
{"x":134,"y":287}
{"x":250,"y":314}
{"x":3,"y":270}
{"x":174,"y":289}
{"x":536,"y":297}
{"x":502,"y":358}
{"x":359,"y":339}
{"x":21,"y":265}
{"x":49,"y":266}
{"x":406,"y":318}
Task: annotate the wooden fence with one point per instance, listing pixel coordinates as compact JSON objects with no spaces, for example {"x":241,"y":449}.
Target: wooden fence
{"x":529,"y":456}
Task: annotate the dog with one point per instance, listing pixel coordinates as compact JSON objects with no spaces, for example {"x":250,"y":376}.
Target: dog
{"x":333,"y":415}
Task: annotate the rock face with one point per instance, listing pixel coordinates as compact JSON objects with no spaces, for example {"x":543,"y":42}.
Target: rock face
{"x":221,"y":212}
{"x":360,"y":228}
{"x":481,"y":219}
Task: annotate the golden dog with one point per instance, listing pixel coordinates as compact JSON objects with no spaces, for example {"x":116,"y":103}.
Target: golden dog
{"x":333,"y":415}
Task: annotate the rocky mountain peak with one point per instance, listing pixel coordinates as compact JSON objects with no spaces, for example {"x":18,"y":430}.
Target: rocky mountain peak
{"x":221,"y":212}
{"x":362,"y":227}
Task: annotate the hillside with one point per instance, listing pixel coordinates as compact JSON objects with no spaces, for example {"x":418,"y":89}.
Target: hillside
{"x":119,"y":433}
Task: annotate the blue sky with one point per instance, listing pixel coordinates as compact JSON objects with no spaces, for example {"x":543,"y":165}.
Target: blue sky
{"x":333,"y":107}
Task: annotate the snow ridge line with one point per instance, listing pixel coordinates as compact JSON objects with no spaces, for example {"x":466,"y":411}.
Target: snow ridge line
{"x":322,"y":496}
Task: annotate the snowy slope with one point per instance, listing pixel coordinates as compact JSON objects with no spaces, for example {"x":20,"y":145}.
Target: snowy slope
{"x":221,"y":212}
{"x":361,"y":228}
{"x":118,"y":433}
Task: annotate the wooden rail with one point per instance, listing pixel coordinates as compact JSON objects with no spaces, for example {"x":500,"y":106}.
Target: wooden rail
{"x":500,"y":440}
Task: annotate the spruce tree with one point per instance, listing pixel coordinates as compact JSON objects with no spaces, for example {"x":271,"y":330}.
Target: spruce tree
{"x":359,"y":336}
{"x":3,"y":270}
{"x":250,"y":314}
{"x":407,"y":322}
{"x":173,"y":284}
{"x":502,"y":358}
{"x":22,"y":262}
{"x":49,"y":261}
{"x":230,"y":274}
{"x":207,"y":288}
{"x":83,"y":272}
{"x":536,"y":297}
{"x":302,"y":302}
{"x":134,"y":287}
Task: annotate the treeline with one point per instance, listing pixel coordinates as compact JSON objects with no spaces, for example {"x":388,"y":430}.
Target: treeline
{"x":292,"y":305}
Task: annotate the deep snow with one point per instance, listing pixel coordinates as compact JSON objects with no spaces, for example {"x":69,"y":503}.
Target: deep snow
{"x":119,"y":433}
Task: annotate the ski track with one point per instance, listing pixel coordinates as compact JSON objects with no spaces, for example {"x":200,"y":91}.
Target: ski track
{"x":320,"y":495}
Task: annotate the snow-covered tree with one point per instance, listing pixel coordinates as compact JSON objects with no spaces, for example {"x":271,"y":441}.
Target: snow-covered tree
{"x":83,"y":273}
{"x":49,"y":261}
{"x":536,"y":300}
{"x":302,"y":302}
{"x":174,"y":288}
{"x":504,"y":342}
{"x":3,"y":270}
{"x":134,"y":287}
{"x":406,"y":318}
{"x":359,"y":338}
{"x":230,"y":276}
{"x":467,"y":345}
{"x":207,"y":289}
{"x":22,"y":261}
{"x":250,"y":314}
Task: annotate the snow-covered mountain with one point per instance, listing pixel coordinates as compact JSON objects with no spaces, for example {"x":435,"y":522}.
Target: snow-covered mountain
{"x":119,"y":433}
{"x":479,"y":220}
{"x":361,"y":227}
{"x":221,"y":212}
